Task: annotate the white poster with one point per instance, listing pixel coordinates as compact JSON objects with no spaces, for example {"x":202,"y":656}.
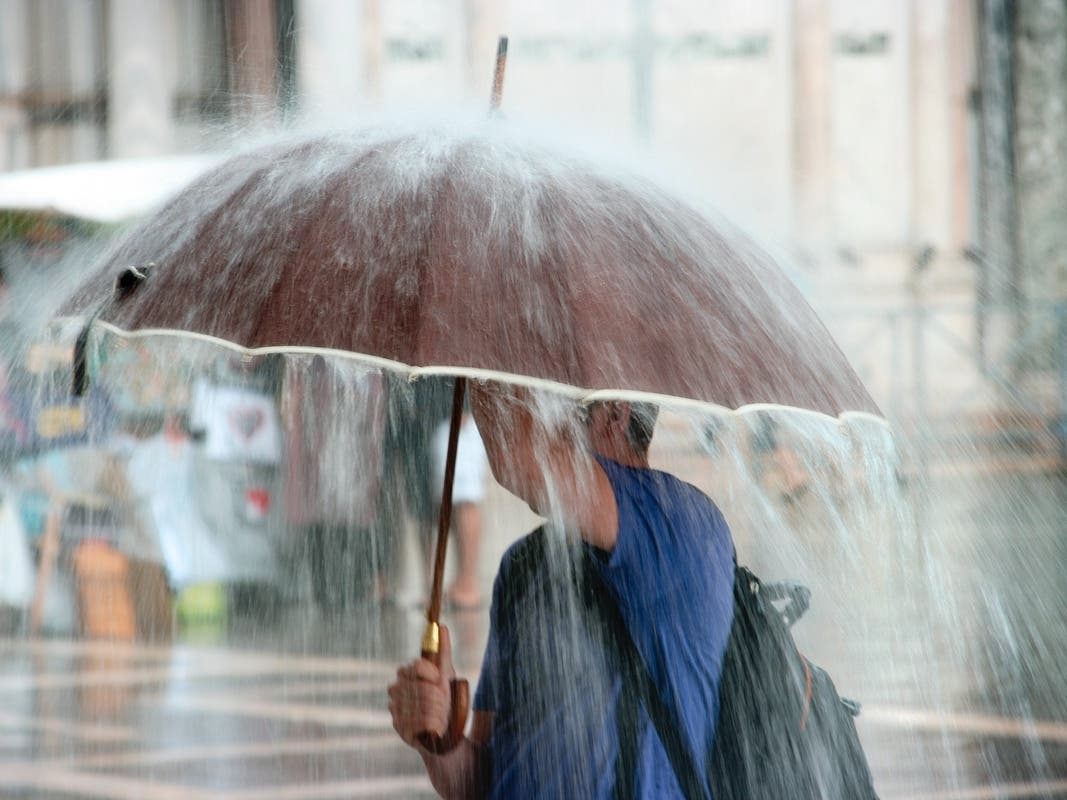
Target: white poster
{"x":239,"y":424}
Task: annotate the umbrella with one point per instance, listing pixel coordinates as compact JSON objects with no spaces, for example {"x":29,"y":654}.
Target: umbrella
{"x":471,"y":248}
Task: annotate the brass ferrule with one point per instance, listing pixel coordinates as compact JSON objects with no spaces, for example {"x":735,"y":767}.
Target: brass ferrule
{"x":431,"y":638}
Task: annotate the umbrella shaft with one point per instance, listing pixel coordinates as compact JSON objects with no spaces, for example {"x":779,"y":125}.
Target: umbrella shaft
{"x":433,"y":613}
{"x":498,"y":74}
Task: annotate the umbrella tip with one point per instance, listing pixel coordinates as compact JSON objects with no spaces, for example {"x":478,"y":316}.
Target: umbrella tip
{"x":498,"y":74}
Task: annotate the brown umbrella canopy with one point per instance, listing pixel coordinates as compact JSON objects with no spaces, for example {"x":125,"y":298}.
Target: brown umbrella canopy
{"x":477,"y":248}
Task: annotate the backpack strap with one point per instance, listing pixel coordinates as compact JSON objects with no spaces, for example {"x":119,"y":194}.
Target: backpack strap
{"x":627,"y":732}
{"x":638,"y":683}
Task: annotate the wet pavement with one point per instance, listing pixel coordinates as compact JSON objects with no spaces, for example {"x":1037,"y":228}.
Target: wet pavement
{"x":982,"y":712}
{"x":105,"y":720}
{"x":294,"y":707}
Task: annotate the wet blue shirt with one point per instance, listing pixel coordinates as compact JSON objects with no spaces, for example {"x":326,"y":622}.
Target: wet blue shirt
{"x":546,"y":677}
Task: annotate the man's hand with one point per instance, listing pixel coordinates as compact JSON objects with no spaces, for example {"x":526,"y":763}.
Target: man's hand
{"x":421,"y":698}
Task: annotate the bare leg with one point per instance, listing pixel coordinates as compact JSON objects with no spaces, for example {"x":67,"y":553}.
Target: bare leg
{"x":468,"y":521}
{"x":45,"y":569}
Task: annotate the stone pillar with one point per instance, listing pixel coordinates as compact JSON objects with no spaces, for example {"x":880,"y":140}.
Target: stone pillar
{"x":931,"y":129}
{"x":810,"y":103}
{"x":870,"y":128}
{"x":644,"y":56}
{"x":331,"y":52}
{"x":997,"y":216}
{"x":253,"y":43}
{"x":139,"y":93}
{"x":962,"y":80}
{"x":1040,"y":39}
{"x":85,"y":53}
{"x":15,"y":147}
{"x":1000,"y":318}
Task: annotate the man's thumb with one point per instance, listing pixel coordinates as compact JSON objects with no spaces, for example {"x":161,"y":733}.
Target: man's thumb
{"x":448,"y":671}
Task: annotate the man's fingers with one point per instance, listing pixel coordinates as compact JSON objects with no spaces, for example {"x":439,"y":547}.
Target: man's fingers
{"x":420,"y":700}
{"x":417,"y":707}
{"x":421,"y":670}
{"x":399,"y":722}
{"x":427,"y":671}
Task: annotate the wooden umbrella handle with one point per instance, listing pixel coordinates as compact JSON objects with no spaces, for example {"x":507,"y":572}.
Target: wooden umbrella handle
{"x":457,"y":721}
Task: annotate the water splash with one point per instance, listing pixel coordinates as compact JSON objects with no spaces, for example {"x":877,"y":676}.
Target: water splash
{"x":908,"y":615}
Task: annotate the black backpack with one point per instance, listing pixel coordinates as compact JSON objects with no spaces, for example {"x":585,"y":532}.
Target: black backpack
{"x":783,"y":732}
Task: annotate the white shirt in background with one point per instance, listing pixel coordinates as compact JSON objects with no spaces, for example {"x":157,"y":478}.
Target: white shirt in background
{"x":472,"y":463}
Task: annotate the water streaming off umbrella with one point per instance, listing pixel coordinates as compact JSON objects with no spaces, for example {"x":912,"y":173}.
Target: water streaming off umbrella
{"x":274,"y":501}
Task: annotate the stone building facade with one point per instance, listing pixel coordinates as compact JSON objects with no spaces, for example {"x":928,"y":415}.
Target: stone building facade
{"x":865,"y":142}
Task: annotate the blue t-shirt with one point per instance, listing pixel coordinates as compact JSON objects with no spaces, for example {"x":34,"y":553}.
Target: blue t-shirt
{"x":546,"y":676}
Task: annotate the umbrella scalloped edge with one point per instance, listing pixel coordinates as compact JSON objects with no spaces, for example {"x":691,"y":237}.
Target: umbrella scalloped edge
{"x":580,"y":394}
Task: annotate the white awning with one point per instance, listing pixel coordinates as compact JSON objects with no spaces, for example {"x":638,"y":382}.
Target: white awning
{"x":102,"y":191}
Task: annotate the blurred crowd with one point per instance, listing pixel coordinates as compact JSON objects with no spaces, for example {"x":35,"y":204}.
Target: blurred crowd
{"x":169,"y":498}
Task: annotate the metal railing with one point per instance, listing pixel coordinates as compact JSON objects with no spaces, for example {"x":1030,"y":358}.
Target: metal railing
{"x":985,"y":372}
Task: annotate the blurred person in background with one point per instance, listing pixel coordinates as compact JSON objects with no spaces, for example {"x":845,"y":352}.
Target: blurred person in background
{"x":237,"y":476}
{"x":16,"y":566}
{"x":132,"y":481}
{"x":334,"y":423}
{"x":164,"y":525}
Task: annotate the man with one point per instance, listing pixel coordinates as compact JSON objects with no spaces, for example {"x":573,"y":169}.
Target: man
{"x":551,"y":716}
